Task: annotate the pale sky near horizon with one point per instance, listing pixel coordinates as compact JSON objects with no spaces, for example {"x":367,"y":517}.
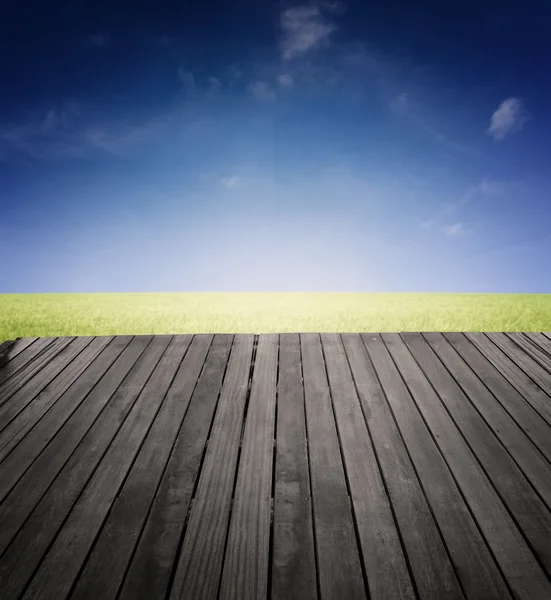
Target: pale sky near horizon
{"x":260,"y":146}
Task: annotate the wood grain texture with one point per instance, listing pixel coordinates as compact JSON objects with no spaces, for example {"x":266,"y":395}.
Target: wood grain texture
{"x":524,"y":412}
{"x":30,"y":380}
{"x":524,"y":574}
{"x":430,"y":562}
{"x":14,"y":363}
{"x":157,"y":552}
{"x":105,"y":566}
{"x":294,"y":560}
{"x":388,"y":575}
{"x":508,"y":479}
{"x":338,"y":555}
{"x":293,"y":466}
{"x":33,"y":411}
{"x":477,"y":569}
{"x":246,"y":561}
{"x":32,"y":540}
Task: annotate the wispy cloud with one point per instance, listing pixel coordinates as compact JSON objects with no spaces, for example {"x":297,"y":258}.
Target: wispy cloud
{"x":99,"y":40}
{"x":262,"y":91}
{"x":285,"y":80}
{"x":231,"y":182}
{"x":304,"y":28}
{"x":509,"y":117}
{"x":456,"y":229}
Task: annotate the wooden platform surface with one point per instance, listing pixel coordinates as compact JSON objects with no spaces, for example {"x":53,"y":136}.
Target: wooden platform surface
{"x":292,"y":466}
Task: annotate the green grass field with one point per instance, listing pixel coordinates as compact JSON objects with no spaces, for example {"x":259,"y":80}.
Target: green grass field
{"x":36,"y":315}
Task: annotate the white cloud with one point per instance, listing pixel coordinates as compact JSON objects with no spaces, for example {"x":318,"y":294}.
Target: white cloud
{"x":304,"y":28}
{"x":231,"y":182}
{"x":285,"y":80}
{"x":261,"y":90}
{"x":509,"y":117}
{"x":456,"y":229}
{"x":99,"y":40}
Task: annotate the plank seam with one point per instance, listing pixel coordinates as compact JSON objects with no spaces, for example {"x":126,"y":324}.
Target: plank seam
{"x":312,"y":508}
{"x":237,"y":465}
{"x":169,"y":455}
{"x":67,"y":516}
{"x":452,"y":474}
{"x":348,"y":489}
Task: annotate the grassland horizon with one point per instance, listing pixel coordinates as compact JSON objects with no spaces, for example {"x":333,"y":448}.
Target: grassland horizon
{"x":52,"y":315}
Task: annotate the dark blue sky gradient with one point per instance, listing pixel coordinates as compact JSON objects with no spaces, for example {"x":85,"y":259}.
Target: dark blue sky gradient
{"x":262,"y":146}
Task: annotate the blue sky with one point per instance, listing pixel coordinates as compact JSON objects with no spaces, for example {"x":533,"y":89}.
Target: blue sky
{"x":260,"y":146}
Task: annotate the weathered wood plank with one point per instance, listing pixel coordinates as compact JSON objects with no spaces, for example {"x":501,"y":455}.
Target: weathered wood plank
{"x":388,"y":576}
{"x":537,"y":354}
{"x":12,"y":348}
{"x":27,"y":418}
{"x":21,"y":359}
{"x":294,"y":561}
{"x":48,"y":375}
{"x":200,"y":563}
{"x":477,"y":570}
{"x":30,"y":379}
{"x":540,"y":340}
{"x":432,"y":568}
{"x":150,"y":572}
{"x":339,"y":563}
{"x":246,"y":560}
{"x":526,"y":362}
{"x":509,"y":481}
{"x":523,"y":451}
{"x":103,"y":572}
{"x":49,"y":450}
{"x":529,"y":419}
{"x":525,"y":576}
{"x":75,"y":538}
{"x":33,"y":539}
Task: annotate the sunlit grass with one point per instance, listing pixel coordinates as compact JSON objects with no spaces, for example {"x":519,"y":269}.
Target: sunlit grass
{"x":41,"y":315}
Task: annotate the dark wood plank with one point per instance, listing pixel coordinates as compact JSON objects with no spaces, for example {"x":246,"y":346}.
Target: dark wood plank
{"x":525,"y":576}
{"x":104,"y":570}
{"x":12,"y":348}
{"x":31,"y":446}
{"x":475,"y":564}
{"x":537,"y":354}
{"x":532,"y":462}
{"x":526,"y":362}
{"x":4,"y":348}
{"x":509,"y":481}
{"x":32,"y":412}
{"x":246,"y":561}
{"x":293,"y":561}
{"x":540,"y":340}
{"x":150,"y":571}
{"x":50,"y":451}
{"x":25,"y":378}
{"x":74,"y":540}
{"x":49,"y":374}
{"x":339,"y":563}
{"x":200,"y":562}
{"x":481,"y":360}
{"x":23,"y":358}
{"x":388,"y":576}
{"x":430,"y":563}
{"x":32,"y":540}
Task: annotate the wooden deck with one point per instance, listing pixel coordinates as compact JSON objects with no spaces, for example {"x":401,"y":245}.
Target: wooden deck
{"x":392,"y":466}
